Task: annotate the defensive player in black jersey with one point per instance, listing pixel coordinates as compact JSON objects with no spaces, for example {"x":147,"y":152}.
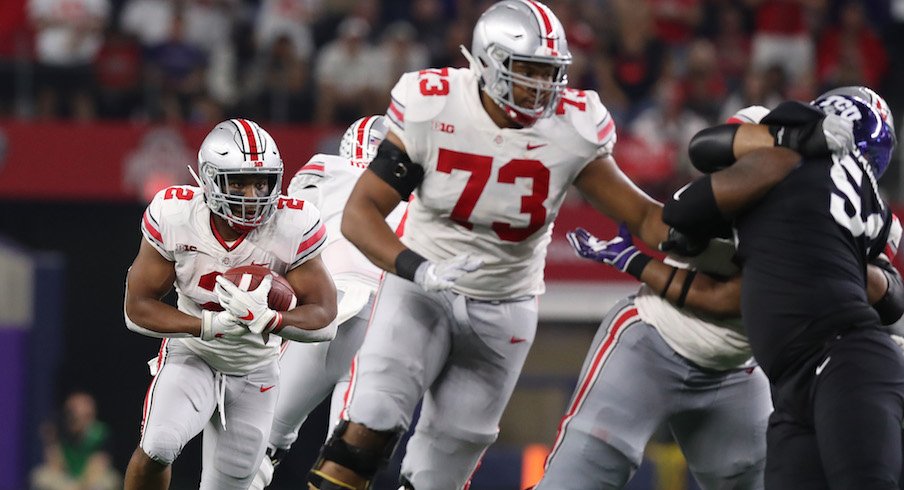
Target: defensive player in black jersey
{"x":806,"y":231}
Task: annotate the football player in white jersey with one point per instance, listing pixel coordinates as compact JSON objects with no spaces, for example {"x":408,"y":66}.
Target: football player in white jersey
{"x":489,"y":153}
{"x":310,"y":372}
{"x":217,"y":368}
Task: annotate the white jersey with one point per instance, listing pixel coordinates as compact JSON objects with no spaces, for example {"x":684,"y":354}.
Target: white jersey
{"x":489,"y":191}
{"x":709,"y":343}
{"x":179,"y":225}
{"x":328,"y":180}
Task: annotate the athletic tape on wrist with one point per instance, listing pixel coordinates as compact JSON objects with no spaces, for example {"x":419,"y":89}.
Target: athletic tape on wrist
{"x":407,"y":262}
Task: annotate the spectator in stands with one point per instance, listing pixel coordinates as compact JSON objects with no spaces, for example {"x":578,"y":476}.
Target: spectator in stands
{"x":636,"y":62}
{"x":289,"y":19}
{"x":754,"y":90}
{"x":279,"y":86}
{"x":704,"y":85}
{"x":782,"y":36}
{"x":118,"y":70}
{"x":68,"y":35}
{"x":345,"y":72}
{"x":732,"y":44}
{"x":176,"y":74}
{"x":400,"y":52}
{"x":850,"y":52}
{"x":665,"y":129}
{"x":674,"y":22}
{"x":76,"y":450}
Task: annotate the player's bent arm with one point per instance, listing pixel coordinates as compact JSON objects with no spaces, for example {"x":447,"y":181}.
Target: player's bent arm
{"x":312,"y":319}
{"x":378,"y":191}
{"x":611,"y":192}
{"x":694,"y":290}
{"x":696,"y":207}
{"x":885,"y":291}
{"x":149,"y":279}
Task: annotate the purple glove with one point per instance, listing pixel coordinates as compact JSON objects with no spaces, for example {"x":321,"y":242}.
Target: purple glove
{"x":619,"y":252}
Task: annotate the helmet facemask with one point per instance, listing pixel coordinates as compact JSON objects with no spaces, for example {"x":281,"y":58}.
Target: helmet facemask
{"x":546,"y":92}
{"x":236,"y":154}
{"x":520,"y":31}
{"x":243,"y":213}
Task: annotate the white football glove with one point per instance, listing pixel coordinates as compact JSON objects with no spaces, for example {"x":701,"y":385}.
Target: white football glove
{"x":440,"y":276}
{"x":249,"y":307}
{"x":839,"y":133}
{"x":898,"y":340}
{"x":215,"y":325}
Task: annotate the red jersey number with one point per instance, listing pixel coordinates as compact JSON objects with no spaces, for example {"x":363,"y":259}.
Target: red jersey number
{"x":179,"y":193}
{"x":434,"y":82}
{"x":481,"y":167}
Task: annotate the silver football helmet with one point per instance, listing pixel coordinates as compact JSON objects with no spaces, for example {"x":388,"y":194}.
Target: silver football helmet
{"x":239,"y":147}
{"x":363,"y":137}
{"x":520,"y":30}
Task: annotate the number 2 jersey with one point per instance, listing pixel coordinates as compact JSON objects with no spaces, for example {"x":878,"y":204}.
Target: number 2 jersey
{"x":804,"y":249}
{"x":179,"y":225}
{"x":489,"y":191}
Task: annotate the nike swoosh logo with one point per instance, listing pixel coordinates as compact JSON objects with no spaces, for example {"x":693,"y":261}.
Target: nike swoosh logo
{"x":534,"y":147}
{"x":248,"y":317}
{"x":221,"y":153}
{"x":265,"y":389}
{"x":677,"y":195}
{"x":517,"y":340}
{"x":822,"y":366}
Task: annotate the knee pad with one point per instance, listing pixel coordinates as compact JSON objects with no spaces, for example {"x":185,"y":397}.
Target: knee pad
{"x":162,"y":444}
{"x":365,"y":462}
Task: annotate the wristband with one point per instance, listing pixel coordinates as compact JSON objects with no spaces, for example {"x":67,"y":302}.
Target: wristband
{"x":637,"y":264}
{"x":668,"y":282}
{"x":407,"y":262}
{"x":685,"y":288}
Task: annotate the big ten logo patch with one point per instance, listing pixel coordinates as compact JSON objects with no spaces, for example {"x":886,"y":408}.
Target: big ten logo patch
{"x":443,"y":127}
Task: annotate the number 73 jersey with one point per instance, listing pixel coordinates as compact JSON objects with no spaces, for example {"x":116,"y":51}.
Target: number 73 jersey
{"x":489,"y":191}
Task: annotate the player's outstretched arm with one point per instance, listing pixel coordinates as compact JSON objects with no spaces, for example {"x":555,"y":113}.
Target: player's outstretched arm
{"x":683,"y":288}
{"x":149,"y":279}
{"x":611,"y":192}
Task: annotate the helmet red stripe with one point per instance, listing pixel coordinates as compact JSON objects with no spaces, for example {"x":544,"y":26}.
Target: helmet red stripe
{"x":252,"y":141}
{"x":546,"y":23}
{"x":362,"y":132}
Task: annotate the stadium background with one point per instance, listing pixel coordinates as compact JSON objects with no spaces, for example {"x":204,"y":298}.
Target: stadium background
{"x":91,"y":127}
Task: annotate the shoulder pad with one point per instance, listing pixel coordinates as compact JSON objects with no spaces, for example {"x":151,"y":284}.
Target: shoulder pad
{"x":172,"y":202}
{"x":584,"y":111}
{"x":419,"y":96}
{"x":170,"y":208}
{"x":298,"y":230}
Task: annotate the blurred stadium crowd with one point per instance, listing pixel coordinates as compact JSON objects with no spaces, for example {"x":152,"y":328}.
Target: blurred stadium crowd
{"x":665,"y":68}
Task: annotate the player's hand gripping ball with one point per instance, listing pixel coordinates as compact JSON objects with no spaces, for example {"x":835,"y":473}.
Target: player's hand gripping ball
{"x":248,"y":277}
{"x":256,"y":296}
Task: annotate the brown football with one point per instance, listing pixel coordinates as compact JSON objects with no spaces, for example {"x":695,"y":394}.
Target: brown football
{"x":249,"y":277}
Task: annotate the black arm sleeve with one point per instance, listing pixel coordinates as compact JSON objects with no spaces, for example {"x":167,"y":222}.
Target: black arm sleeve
{"x":396,"y":169}
{"x":712,"y":149}
{"x":798,"y":126}
{"x":891,"y":306}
